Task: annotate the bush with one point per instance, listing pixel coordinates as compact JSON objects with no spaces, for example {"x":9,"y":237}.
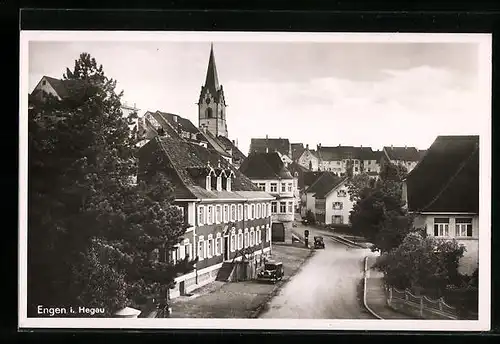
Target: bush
{"x":422,"y":263}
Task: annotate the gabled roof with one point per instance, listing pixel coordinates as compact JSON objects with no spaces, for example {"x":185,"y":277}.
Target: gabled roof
{"x":177,"y":122}
{"x":327,"y":190}
{"x":229,"y":145}
{"x":270,"y":145}
{"x":63,"y":88}
{"x":183,"y":161}
{"x":297,"y":150}
{"x":215,"y":143}
{"x":447,"y":178}
{"x":310,"y":177}
{"x":324,"y":184}
{"x":265,"y":166}
{"x":347,"y":152}
{"x":422,"y":152}
{"x":402,"y":153}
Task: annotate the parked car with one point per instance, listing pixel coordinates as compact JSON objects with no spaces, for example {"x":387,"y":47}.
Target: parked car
{"x":272,"y":272}
{"x":319,"y":242}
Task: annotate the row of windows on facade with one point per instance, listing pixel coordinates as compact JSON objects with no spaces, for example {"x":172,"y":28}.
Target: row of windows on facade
{"x":233,"y":212}
{"x":285,"y":207}
{"x":335,"y":205}
{"x":273,"y":187}
{"x":463,"y":227}
{"x":344,"y":162}
{"x":213,"y":247}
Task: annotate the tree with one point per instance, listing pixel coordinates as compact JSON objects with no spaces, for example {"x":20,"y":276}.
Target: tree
{"x":90,"y":227}
{"x":422,"y":264}
{"x":379,"y":213}
{"x":359,"y":186}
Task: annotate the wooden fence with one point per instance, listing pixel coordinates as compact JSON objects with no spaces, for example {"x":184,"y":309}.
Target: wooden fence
{"x":422,"y":304}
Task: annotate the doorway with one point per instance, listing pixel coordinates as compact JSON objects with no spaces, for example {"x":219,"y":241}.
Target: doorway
{"x":182,"y":288}
{"x":226,"y":248}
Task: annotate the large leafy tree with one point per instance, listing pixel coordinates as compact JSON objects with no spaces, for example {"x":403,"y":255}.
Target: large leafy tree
{"x":422,"y":264}
{"x":379,"y":213}
{"x":359,"y":186}
{"x":91,"y":229}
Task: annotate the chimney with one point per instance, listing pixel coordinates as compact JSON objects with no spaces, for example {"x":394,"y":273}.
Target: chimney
{"x":175,"y":118}
{"x":234,"y":144}
{"x":391,"y":147}
{"x":307,"y":146}
{"x":405,"y":147}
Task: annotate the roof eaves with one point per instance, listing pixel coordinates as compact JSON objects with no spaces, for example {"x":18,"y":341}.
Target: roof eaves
{"x":448,"y":183}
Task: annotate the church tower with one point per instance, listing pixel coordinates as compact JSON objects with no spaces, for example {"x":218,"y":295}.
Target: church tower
{"x":211,"y":104}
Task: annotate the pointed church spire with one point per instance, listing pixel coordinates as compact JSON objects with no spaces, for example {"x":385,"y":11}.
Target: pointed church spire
{"x":212,"y":80}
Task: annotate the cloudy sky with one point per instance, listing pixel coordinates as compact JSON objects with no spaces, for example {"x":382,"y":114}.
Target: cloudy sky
{"x":370,"y":94}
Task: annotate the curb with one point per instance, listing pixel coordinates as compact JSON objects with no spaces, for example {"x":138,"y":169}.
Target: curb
{"x":364,"y":291}
{"x":261,"y":308}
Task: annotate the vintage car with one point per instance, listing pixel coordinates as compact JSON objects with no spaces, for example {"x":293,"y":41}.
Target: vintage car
{"x":318,"y":242}
{"x":272,"y":272}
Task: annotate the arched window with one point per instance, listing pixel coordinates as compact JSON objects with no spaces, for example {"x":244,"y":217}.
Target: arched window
{"x":209,"y":112}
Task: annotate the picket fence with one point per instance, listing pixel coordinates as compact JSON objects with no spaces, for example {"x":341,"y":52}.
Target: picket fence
{"x":422,"y":303}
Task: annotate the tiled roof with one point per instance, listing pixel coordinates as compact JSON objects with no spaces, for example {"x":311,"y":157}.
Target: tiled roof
{"x":178,"y":122}
{"x":297,"y":150}
{"x":272,"y":145}
{"x":150,"y":129}
{"x":402,"y":153}
{"x":228,"y":144}
{"x":215,"y":143}
{"x":447,"y":178}
{"x":422,"y":152}
{"x":327,"y":188}
{"x":324,"y":184}
{"x":265,"y":166}
{"x":346,"y":152}
{"x":182,"y":159}
{"x":65,"y":88}
{"x":310,"y":177}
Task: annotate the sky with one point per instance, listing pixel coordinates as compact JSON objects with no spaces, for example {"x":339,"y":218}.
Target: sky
{"x":328,"y":93}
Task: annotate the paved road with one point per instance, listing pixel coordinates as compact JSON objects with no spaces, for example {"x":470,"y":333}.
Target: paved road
{"x":325,"y":288}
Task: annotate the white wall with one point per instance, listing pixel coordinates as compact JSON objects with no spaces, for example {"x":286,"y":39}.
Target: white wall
{"x":307,"y":157}
{"x":346,"y":202}
{"x":470,"y":260}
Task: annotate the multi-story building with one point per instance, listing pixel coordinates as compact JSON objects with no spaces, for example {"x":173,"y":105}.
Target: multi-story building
{"x":332,"y":203}
{"x":268,"y":172}
{"x":225,"y":212}
{"x":297,"y":172}
{"x":340,"y":159}
{"x":325,"y":181}
{"x":273,"y":145}
{"x":405,"y":156}
{"x":309,"y":159}
{"x":442,"y":191}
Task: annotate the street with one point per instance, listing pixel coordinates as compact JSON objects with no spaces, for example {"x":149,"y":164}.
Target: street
{"x":326,"y":287}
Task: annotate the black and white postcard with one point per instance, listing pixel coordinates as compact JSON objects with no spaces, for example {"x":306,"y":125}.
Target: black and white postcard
{"x":216,"y":180}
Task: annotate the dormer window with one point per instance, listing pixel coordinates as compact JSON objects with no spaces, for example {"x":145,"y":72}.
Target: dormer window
{"x":224,"y":181}
{"x":207,"y":183}
{"x":229,"y":179}
{"x":219,"y":183}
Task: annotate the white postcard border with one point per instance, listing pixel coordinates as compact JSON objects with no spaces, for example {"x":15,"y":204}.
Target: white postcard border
{"x":482,"y":324}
